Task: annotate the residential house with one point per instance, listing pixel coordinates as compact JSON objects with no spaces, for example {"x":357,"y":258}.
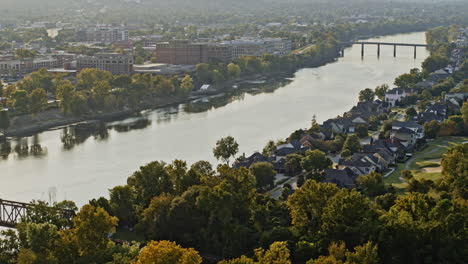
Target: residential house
{"x":367,"y":109}
{"x":345,"y":178}
{"x":292,"y":147}
{"x":412,"y":125}
{"x":359,"y":166}
{"x":425,"y":117}
{"x":425,"y":85}
{"x":440,"y":75}
{"x":395,"y":95}
{"x":254,"y":158}
{"x":392,"y":146}
{"x":458,"y":96}
{"x":369,"y":157}
{"x":438,"y":108}
{"x":343,"y":124}
{"x":312,"y":140}
{"x":407,"y":136}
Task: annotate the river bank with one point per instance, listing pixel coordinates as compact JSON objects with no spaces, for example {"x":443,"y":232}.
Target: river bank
{"x":28,"y":125}
{"x":252,"y":114}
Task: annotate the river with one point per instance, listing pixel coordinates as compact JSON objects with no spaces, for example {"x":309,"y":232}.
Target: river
{"x":60,"y":164}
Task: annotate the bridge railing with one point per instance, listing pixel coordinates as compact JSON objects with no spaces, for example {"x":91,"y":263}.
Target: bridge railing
{"x":12,"y":212}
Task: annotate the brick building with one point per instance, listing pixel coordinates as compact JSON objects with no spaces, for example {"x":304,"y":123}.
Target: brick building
{"x":114,"y":62}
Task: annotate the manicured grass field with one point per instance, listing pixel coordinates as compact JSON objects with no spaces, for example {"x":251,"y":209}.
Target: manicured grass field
{"x":424,"y":163}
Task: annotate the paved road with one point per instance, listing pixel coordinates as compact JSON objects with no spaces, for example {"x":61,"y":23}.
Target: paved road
{"x":276,"y":192}
{"x":407,"y":164}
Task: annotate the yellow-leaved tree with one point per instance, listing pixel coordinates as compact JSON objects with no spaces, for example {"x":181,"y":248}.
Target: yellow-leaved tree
{"x":167,"y":252}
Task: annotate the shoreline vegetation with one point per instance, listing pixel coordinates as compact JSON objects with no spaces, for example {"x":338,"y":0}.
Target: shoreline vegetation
{"x":243,"y":70}
{"x":225,"y":215}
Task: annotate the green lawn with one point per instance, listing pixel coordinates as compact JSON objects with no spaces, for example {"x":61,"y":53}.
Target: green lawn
{"x":428,"y":159}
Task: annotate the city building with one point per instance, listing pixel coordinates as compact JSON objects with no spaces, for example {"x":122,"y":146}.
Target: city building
{"x":258,"y":46}
{"x":102,"y":33}
{"x":116,"y":63}
{"x":13,"y":67}
{"x":186,"y":52}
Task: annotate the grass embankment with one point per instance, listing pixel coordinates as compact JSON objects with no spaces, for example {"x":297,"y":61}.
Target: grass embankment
{"x":424,"y":163}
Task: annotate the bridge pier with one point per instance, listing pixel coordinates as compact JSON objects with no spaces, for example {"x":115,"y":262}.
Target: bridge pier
{"x":362,"y":50}
{"x":394,"y":50}
{"x":415,"y":52}
{"x":378,"y":50}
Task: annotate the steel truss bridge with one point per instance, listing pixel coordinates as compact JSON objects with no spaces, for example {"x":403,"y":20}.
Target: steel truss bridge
{"x":11,"y":213}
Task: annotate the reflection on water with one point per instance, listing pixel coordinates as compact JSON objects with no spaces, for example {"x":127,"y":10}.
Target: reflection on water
{"x":75,"y":135}
{"x":84,"y":161}
{"x":217,"y":101}
{"x":22,"y":148}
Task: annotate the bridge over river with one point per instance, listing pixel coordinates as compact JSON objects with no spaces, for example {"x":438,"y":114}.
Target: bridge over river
{"x":12,"y":212}
{"x":378,"y":44}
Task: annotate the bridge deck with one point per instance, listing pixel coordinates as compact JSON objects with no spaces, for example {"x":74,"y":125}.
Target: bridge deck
{"x":389,"y":44}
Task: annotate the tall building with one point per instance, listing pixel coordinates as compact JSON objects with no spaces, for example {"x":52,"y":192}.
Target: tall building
{"x":13,"y":67}
{"x":103,"y":33}
{"x":181,"y":52}
{"x":185,"y":52}
{"x":258,"y":46}
{"x":116,"y":63}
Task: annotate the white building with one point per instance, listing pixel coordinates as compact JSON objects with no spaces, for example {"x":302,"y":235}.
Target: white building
{"x":395,"y":95}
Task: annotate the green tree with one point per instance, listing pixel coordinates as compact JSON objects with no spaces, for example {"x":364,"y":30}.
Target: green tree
{"x":431,"y":129}
{"x":186,"y":85}
{"x":88,"y":77}
{"x":464,"y":112}
{"x":91,"y":227}
{"x":371,"y":184}
{"x":38,"y":242}
{"x":349,"y":217}
{"x":307,"y":204}
{"x":434,"y":62}
{"x":78,"y":104}
{"x":203,"y":73}
{"x":64,"y":93}
{"x":4,"y":120}
{"x":352,"y":144}
{"x":38,"y":100}
{"x":408,"y":80}
{"x":225,"y":149}
{"x":20,"y":101}
{"x":366,"y":95}
{"x":121,"y":204}
{"x":9,"y":246}
{"x":151,"y":180}
{"x":100,"y":90}
{"x":203,"y":167}
{"x":293,"y":164}
{"x":167,"y":252}
{"x":269,"y":149}
{"x":410,"y":112}
{"x":122,"y":81}
{"x":315,"y":160}
{"x":264,"y":173}
{"x":278,"y":253}
{"x":362,"y":130}
{"x":454,"y":170}
{"x":25,"y":54}
{"x":380,"y":91}
{"x":233,"y":70}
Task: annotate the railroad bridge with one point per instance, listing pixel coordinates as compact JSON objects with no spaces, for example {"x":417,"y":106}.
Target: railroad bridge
{"x":11,"y":213}
{"x":394,"y":44}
